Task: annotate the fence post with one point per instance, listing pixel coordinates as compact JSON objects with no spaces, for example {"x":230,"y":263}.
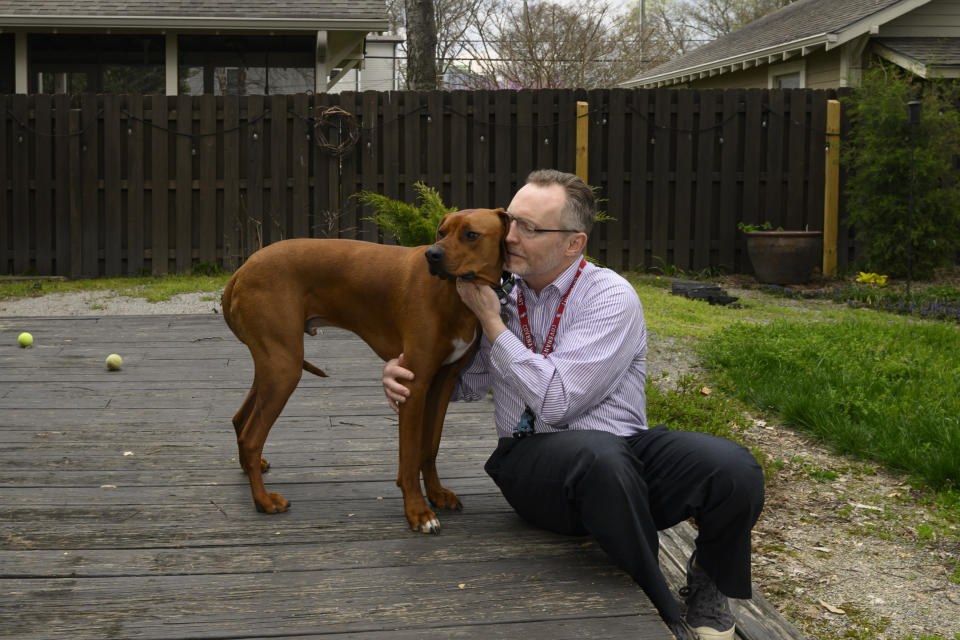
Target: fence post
{"x":583,"y":124}
{"x":831,"y":189}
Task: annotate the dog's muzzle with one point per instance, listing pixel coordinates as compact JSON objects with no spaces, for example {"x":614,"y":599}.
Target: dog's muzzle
{"x":435,"y":258}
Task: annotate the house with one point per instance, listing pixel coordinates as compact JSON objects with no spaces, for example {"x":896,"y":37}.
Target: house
{"x":821,"y":44}
{"x":189,"y":47}
{"x":380,"y":71}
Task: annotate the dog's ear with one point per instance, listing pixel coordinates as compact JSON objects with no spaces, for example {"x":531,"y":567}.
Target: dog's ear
{"x":440,"y":224}
{"x":505,"y":221}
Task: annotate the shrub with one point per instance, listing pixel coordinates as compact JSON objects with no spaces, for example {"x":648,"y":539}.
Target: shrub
{"x":878,"y":153}
{"x":411,"y":225}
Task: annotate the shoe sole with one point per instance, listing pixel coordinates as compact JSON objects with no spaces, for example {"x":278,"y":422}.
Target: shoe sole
{"x":706,"y":633}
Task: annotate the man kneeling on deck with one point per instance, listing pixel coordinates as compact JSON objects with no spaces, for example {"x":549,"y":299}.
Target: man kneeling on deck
{"x":565,"y":354}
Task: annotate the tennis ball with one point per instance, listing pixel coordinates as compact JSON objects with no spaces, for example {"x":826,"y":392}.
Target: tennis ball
{"x":25,"y":339}
{"x":114,"y":362}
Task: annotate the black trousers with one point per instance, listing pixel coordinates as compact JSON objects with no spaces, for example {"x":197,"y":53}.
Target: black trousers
{"x":623,"y":490}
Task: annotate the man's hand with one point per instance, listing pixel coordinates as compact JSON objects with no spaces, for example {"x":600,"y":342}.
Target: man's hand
{"x":393,"y":372}
{"x":483,"y":301}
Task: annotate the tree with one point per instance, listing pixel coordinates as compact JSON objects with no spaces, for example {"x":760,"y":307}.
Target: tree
{"x":421,"y":45}
{"x":552,"y":45}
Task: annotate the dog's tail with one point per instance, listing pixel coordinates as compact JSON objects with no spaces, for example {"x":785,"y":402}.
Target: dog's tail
{"x":314,"y":370}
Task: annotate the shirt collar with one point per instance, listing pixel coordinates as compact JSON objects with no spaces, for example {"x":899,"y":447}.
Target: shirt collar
{"x":561,"y":283}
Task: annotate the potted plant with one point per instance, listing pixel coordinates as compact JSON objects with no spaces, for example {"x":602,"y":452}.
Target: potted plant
{"x":782,"y":257}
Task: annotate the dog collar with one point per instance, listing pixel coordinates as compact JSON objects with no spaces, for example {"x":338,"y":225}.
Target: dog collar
{"x":506,"y":286}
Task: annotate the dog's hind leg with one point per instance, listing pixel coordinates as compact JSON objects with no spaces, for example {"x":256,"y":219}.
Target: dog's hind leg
{"x":274,"y":381}
{"x":240,"y":419}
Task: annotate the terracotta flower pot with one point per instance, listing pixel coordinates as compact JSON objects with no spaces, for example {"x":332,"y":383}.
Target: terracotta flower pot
{"x":784,"y":257}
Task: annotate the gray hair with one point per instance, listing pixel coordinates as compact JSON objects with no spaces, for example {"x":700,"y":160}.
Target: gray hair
{"x":580,"y":209}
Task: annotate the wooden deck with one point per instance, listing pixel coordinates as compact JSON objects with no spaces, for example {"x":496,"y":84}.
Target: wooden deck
{"x":124,"y":513}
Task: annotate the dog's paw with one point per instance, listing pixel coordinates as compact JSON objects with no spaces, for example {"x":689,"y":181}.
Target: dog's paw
{"x":430,"y":526}
{"x":275,"y":503}
{"x":445,"y":499}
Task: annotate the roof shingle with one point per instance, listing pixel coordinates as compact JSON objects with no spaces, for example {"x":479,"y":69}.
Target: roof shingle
{"x":797,"y":21}
{"x":284,"y":9}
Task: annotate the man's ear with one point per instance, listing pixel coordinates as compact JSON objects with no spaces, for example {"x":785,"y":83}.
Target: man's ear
{"x":577,"y":244}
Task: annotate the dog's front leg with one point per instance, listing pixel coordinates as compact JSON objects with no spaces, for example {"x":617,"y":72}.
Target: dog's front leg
{"x":434,"y":412}
{"x":419,"y":515}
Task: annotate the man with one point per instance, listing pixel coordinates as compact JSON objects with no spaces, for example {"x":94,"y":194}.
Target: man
{"x":565,"y":355}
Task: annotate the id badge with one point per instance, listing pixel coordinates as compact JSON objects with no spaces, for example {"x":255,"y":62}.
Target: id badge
{"x":524,"y":428}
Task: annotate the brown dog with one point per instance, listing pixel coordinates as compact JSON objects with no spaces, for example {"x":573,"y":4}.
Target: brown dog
{"x":388,"y":296}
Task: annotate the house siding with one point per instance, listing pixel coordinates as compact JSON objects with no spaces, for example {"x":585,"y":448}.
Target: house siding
{"x":938,"y":19}
{"x":823,"y":69}
{"x":755,"y":78}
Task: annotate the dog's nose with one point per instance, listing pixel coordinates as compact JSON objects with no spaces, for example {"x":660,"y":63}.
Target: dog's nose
{"x":434,"y":255}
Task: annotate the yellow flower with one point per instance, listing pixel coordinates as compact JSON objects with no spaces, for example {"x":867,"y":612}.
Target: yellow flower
{"x":872,"y":278}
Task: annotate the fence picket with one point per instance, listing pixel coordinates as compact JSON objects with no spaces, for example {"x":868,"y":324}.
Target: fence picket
{"x":160,"y":189}
{"x":6,"y":215}
{"x":43,"y":178}
{"x":92,"y":220}
{"x":205,"y":215}
{"x":20,"y":175}
{"x":112,"y":190}
{"x":135,"y":187}
{"x":703,"y":212}
{"x":234,"y":224}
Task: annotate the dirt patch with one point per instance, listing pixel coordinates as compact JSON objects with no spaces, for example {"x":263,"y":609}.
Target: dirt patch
{"x":846,"y":550}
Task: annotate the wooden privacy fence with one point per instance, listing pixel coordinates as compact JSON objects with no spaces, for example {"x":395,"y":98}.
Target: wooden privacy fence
{"x":103,"y":185}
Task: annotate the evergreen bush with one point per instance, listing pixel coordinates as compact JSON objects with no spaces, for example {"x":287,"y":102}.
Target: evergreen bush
{"x":880,"y":154}
{"x":411,"y":225}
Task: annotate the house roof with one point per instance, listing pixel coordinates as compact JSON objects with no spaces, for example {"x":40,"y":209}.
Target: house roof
{"x":367,"y":15}
{"x":923,"y":56}
{"x":796,"y":29}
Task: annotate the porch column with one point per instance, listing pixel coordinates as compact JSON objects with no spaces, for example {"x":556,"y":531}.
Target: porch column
{"x":171,"y":64}
{"x":20,"y":80}
{"x":321,"y":69}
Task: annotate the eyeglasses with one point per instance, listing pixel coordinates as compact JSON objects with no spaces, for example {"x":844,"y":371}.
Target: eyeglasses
{"x":528,"y":230}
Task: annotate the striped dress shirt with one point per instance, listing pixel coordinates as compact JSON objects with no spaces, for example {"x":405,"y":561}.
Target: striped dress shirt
{"x":593,"y":379}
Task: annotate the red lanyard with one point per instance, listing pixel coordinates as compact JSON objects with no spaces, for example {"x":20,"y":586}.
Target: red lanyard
{"x":552,"y":334}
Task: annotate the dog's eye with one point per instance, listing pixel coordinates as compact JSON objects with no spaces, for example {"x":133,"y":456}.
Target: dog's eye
{"x":472,"y":235}
{"x":439,"y":233}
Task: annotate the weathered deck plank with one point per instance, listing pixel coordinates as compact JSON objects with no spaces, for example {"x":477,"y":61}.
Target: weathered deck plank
{"x":164,"y":542}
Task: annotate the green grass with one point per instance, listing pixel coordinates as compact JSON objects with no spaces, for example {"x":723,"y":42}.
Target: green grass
{"x":151,"y":289}
{"x":880,"y":387}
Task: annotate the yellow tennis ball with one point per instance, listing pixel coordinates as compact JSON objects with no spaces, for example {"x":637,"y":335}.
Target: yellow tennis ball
{"x":25,"y":339}
{"x":114,"y":362}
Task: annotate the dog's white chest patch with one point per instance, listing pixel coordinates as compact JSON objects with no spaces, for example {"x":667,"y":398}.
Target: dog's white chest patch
{"x":459,"y":348}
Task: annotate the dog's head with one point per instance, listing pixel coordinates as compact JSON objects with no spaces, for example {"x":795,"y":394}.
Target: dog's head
{"x":471,"y":244}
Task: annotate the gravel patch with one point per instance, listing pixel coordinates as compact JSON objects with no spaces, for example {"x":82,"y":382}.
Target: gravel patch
{"x":107,"y":303}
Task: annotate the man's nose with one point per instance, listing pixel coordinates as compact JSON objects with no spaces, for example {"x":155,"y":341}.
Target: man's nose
{"x":513,"y":237}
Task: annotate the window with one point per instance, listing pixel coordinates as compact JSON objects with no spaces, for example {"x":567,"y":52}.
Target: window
{"x":791,"y":75}
{"x":99,"y":63}
{"x":245,"y":65}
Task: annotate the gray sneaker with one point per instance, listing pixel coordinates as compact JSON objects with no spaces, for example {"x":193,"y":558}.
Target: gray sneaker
{"x":682,"y":631}
{"x":708,"y":610}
